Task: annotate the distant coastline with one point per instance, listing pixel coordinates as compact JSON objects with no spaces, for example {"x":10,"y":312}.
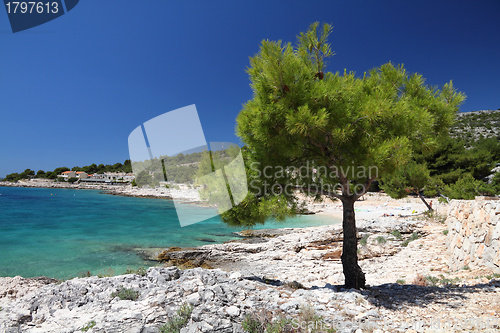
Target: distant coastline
{"x":183,"y":193}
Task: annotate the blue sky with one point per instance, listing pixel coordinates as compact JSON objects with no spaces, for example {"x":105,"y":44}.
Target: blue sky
{"x":72,"y":90}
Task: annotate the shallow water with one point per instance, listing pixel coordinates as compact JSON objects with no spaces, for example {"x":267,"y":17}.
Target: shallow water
{"x":61,"y":233}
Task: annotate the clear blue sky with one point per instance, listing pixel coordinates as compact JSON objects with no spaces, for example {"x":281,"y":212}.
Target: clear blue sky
{"x":73,"y":89}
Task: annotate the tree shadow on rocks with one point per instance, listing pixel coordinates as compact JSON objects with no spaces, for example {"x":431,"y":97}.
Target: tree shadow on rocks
{"x":396,"y":296}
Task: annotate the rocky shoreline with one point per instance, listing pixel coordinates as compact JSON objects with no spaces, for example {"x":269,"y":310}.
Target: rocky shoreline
{"x":291,"y":273}
{"x":183,"y":193}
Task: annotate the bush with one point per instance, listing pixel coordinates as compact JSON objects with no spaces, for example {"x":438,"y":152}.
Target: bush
{"x":125,"y":294}
{"x":413,"y":237}
{"x":89,"y":325}
{"x":139,"y":271}
{"x":109,"y":272}
{"x":84,"y":274}
{"x":364,"y":240}
{"x":177,"y":322}
{"x":466,"y":187}
{"x":396,"y":234}
{"x":381,"y":239}
{"x":264,"y":321}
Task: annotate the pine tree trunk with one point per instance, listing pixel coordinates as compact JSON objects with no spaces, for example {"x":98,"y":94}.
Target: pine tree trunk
{"x":354,"y":276}
{"x":424,"y":201}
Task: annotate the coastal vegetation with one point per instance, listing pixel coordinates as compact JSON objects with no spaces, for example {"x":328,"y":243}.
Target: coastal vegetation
{"x":91,"y":324}
{"x":179,"y":320}
{"x":89,"y":169}
{"x":301,"y":116}
{"x":308,"y":320}
{"x":125,"y":294}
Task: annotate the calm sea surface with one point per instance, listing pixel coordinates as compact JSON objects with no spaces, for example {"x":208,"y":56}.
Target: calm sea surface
{"x":60,"y":233}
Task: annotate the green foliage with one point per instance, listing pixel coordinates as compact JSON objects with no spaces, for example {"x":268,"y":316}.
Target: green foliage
{"x":84,"y":274}
{"x":109,"y":272}
{"x":177,"y":322}
{"x":268,"y":322}
{"x":411,"y":178}
{"x":26,"y":174}
{"x":88,"y":326}
{"x":251,"y":324}
{"x":295,"y":285}
{"x":139,"y":271}
{"x":90,"y":169}
{"x":413,"y":237}
{"x":465,"y":188}
{"x":143,"y":179}
{"x":181,"y":168}
{"x":302,"y":117}
{"x":494,"y":276}
{"x":364,"y":240}
{"x":445,"y":232}
{"x":381,"y":240}
{"x":125,"y":294}
{"x":439,"y":281}
{"x":396,"y":234}
{"x":13,"y":177}
{"x":72,"y":179}
{"x":471,"y":125}
{"x":400,"y":281}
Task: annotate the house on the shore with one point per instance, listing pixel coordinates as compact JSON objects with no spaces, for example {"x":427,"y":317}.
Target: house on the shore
{"x":109,"y":178}
{"x":73,"y":174}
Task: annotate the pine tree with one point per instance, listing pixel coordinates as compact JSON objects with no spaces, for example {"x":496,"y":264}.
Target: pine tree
{"x":330,"y":134}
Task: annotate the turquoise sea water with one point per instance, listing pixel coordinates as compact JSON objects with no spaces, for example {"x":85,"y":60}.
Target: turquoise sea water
{"x":60,"y":233}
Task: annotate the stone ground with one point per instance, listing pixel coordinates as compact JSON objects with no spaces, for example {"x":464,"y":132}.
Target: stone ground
{"x":411,"y":288}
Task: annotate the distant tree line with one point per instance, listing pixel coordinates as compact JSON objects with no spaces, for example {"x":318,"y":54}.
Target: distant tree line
{"x":458,"y":168}
{"x":89,"y":169}
{"x":182,"y":168}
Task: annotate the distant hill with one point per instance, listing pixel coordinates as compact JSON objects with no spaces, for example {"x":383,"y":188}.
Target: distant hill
{"x":471,"y":126}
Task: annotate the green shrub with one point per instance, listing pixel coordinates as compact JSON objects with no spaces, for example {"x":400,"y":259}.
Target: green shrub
{"x":125,"y":294}
{"x":89,"y":325}
{"x":84,"y":274}
{"x":381,"y":239}
{"x":177,"y":322}
{"x":413,"y":237}
{"x":109,"y":272}
{"x":363,"y":241}
{"x":396,"y":234}
{"x":295,"y":285}
{"x":251,"y":324}
{"x":400,"y":281}
{"x":445,"y":232}
{"x":466,"y":187}
{"x":139,"y":271}
{"x":268,"y":322}
{"x":432,"y":280}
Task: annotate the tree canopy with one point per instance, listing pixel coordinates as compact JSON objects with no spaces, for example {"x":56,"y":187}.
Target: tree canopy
{"x":330,"y":134}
